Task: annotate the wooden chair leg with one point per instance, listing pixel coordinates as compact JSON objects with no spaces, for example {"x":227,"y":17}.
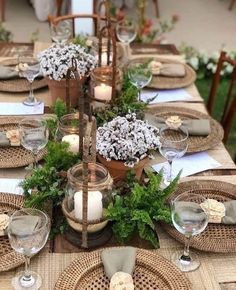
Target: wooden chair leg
{"x":155,"y":2}
{"x":2,"y":8}
{"x":231,"y":4}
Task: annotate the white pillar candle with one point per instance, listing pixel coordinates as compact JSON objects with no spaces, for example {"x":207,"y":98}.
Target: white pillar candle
{"x":95,"y":207}
{"x":103,"y":92}
{"x":73,"y":141}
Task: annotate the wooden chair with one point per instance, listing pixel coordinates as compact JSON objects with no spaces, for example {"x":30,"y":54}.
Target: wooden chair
{"x":227,"y":122}
{"x":231,"y":4}
{"x":73,"y":17}
{"x":229,"y":108}
{"x":2,"y":8}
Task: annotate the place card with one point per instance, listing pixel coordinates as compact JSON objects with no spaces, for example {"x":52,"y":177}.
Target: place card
{"x":163,"y":96}
{"x":189,"y":164}
{"x":17,"y":109}
{"x":11,"y":185}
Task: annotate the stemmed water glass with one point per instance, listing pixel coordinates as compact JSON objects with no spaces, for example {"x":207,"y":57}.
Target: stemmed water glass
{"x":29,"y":68}
{"x":139,"y":74}
{"x":126,"y":31}
{"x":33,"y":135}
{"x":28,"y":232}
{"x":173,"y":145}
{"x":61,"y":32}
{"x":189,"y":219}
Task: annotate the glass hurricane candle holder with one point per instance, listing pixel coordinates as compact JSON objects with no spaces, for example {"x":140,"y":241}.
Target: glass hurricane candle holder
{"x":106,"y":51}
{"x":101,"y":83}
{"x":99,"y":189}
{"x":68,"y":131}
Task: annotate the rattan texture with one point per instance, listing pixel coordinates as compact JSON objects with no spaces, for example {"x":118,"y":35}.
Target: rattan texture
{"x":12,"y":157}
{"x":195,"y":143}
{"x":9,"y":259}
{"x":152,"y":272}
{"x":18,"y":85}
{"x":162,"y":82}
{"x":218,"y":238}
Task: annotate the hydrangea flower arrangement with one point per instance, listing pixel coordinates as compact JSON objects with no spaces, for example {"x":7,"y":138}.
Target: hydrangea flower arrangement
{"x":56,"y":60}
{"x":127,"y":139}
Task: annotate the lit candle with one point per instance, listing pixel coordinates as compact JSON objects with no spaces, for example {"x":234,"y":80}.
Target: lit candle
{"x":103,"y":92}
{"x":104,"y":58}
{"x":73,"y":141}
{"x":94,"y":205}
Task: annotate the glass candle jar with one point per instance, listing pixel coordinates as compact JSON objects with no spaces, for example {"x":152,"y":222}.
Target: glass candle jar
{"x":68,"y":131}
{"x":101,"y":83}
{"x":99,"y":189}
{"x":106,"y":52}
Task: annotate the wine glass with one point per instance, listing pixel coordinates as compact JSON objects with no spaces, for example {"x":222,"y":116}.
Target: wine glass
{"x":173,"y":145}
{"x":28,"y":232}
{"x":139,"y":74}
{"x":33,"y":135}
{"x":29,"y":68}
{"x":126,"y":31}
{"x":189,"y":219}
{"x":61,"y":32}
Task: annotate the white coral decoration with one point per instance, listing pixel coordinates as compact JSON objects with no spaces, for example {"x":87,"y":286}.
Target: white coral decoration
{"x":56,"y":60}
{"x":127,"y":139}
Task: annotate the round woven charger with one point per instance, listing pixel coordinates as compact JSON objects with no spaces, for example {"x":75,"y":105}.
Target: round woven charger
{"x":9,"y":259}
{"x":19,"y":84}
{"x":152,"y":272}
{"x":218,"y":238}
{"x":10,"y":156}
{"x":195,"y":143}
{"x":162,"y":82}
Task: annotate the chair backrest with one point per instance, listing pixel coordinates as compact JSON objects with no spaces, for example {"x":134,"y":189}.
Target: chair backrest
{"x":224,"y":59}
{"x":227,"y":122}
{"x":73,"y":17}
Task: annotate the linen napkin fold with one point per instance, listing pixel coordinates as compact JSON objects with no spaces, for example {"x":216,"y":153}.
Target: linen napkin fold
{"x":172,"y":70}
{"x":118,"y":260}
{"x":230,"y":213}
{"x":4,"y":141}
{"x":195,"y":127}
{"x":8,"y":72}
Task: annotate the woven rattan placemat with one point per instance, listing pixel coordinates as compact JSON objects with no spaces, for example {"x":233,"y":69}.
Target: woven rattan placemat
{"x":12,"y":157}
{"x":217,"y":238}
{"x":161,"y":82}
{"x":9,"y":259}
{"x":152,"y":271}
{"x":195,"y":143}
{"x":18,"y":85}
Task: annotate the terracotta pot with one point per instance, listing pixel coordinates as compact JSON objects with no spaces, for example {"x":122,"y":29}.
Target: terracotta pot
{"x":118,"y":170}
{"x":58,"y":90}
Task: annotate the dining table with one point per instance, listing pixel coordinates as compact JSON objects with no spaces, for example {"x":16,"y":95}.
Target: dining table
{"x":217,"y":270}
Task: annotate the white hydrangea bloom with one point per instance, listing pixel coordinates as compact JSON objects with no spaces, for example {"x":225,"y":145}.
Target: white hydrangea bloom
{"x":127,"y":139}
{"x":194,"y":62}
{"x":56,"y":60}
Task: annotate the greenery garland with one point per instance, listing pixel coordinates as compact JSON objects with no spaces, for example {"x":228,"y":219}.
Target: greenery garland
{"x":135,"y":207}
{"x":140,"y":208}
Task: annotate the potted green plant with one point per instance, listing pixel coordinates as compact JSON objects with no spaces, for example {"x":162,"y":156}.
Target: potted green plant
{"x":55,"y":62}
{"x":125,"y":143}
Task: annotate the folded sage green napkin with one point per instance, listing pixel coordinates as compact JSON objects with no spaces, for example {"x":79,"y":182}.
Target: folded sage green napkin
{"x":230,"y":213}
{"x":172,"y":70}
{"x":195,"y":127}
{"x":4,"y":141}
{"x":8,"y":72}
{"x":118,"y":260}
